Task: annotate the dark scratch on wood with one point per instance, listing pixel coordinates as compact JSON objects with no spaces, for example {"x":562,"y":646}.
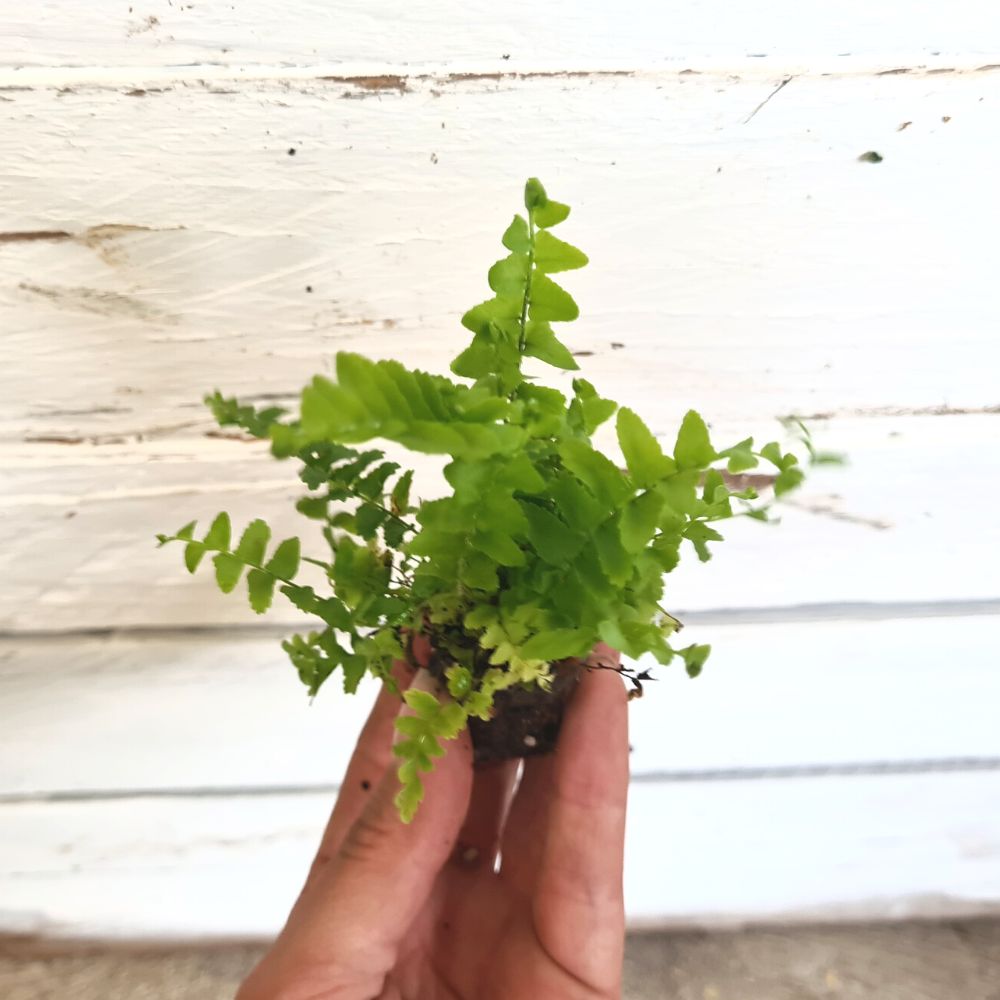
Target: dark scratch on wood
{"x":400,"y":83}
{"x":53,"y":439}
{"x":268,"y":397}
{"x":781,"y":86}
{"x":762,"y":481}
{"x":88,"y":411}
{"x":894,"y":72}
{"x":902,"y":411}
{"x":230,"y":436}
{"x":99,"y":301}
{"x":35,"y":236}
{"x":828,"y":510}
{"x":534,"y":75}
{"x":469,"y":77}
{"x":102,"y":238}
{"x":747,"y":480}
{"x":119,"y":437}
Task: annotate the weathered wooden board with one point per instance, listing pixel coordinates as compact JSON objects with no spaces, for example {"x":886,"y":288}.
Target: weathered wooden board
{"x":77,"y":552}
{"x":197,"y":195}
{"x":388,"y":34}
{"x":747,"y":263}
{"x":698,"y":853}
{"x":206,"y":714}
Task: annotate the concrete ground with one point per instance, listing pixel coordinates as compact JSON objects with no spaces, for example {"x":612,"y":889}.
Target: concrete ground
{"x":940,"y":961}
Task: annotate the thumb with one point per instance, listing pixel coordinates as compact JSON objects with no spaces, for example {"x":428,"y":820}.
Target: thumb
{"x":358,"y":907}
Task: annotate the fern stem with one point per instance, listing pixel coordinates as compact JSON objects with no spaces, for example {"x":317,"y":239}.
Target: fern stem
{"x":522,"y":342}
{"x":385,"y":510}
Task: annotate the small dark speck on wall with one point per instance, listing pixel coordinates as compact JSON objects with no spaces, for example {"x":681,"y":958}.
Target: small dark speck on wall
{"x":506,"y":55}
{"x":434,"y":157}
{"x":616,"y":345}
{"x":291,"y":151}
{"x":871,"y":157}
{"x":946,"y":118}
{"x":309,"y":288}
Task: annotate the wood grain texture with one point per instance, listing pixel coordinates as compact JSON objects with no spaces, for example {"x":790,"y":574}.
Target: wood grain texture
{"x":710,"y":854}
{"x":751,"y":268}
{"x":794,"y":280}
{"x":77,"y":525}
{"x":385,"y":35}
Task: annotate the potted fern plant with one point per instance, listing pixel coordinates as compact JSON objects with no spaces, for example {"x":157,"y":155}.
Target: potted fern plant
{"x":542,"y":548}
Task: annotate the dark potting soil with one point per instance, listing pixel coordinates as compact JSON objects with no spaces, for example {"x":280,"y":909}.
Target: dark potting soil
{"x":526,"y":720}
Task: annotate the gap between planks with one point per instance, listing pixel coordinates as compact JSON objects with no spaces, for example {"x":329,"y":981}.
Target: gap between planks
{"x":382,"y":80}
{"x":707,"y":854}
{"x":874,"y":769}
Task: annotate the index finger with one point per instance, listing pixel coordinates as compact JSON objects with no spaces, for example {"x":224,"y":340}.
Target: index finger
{"x":578,"y":890}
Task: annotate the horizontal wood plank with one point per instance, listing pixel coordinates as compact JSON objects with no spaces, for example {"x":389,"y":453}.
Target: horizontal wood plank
{"x":710,"y":854}
{"x":744,"y":263}
{"x":77,"y":525}
{"x":176,"y":715}
{"x":387,"y":35}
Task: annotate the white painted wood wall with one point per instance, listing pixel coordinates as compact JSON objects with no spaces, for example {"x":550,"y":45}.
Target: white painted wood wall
{"x":160,"y":771}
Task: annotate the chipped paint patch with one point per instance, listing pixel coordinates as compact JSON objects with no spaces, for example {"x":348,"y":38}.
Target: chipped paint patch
{"x":102,"y":239}
{"x":372,"y":84}
{"x":141,"y":27}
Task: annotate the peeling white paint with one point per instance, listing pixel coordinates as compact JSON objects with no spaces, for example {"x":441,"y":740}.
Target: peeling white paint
{"x":372,"y":37}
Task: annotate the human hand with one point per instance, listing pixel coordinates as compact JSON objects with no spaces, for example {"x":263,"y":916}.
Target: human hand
{"x":420,"y":912}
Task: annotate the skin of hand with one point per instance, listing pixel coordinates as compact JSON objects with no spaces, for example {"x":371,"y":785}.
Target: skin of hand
{"x":421,"y":912}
